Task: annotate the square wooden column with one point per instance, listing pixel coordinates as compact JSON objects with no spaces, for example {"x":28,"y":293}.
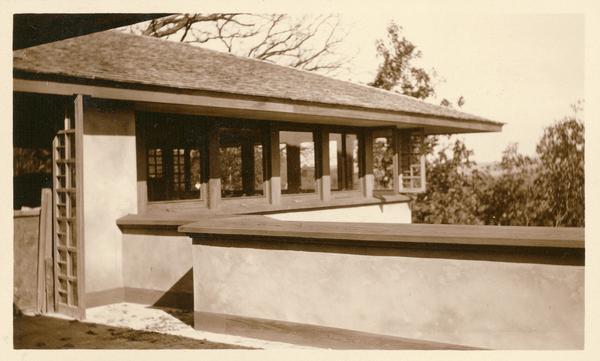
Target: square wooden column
{"x":271,"y":165}
{"x":365,"y":163}
{"x":396,"y":159}
{"x":142,"y":167}
{"x":248,"y":173}
{"x":323,"y":178}
{"x":214,"y":167}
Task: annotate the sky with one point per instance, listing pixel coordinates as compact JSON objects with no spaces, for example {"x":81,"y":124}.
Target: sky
{"x":524,"y":70}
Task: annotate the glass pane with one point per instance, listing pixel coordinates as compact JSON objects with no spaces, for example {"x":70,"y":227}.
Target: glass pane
{"x":241,"y":162}
{"x":336,"y":161}
{"x":352,"y":161}
{"x":258,"y":168}
{"x":299,"y":161}
{"x":231,"y":170}
{"x":195,"y":171}
{"x":383,"y":161}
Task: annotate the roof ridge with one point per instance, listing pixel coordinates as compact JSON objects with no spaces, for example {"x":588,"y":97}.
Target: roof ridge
{"x":247,"y":58}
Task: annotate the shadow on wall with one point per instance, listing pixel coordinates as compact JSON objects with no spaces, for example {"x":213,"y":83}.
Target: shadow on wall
{"x":180,"y":295}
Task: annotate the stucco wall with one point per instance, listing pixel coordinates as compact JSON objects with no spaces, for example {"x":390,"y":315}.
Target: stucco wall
{"x":386,"y":213}
{"x":25,"y":251}
{"x":499,"y":305}
{"x":109,"y":171}
{"x":159,"y":263}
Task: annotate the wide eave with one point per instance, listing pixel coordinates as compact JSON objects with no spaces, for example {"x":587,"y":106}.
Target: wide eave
{"x":158,"y":75}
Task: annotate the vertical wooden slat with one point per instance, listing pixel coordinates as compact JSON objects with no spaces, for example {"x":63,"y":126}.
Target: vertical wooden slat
{"x":56,"y":185}
{"x":79,"y":111}
{"x":45,"y":237}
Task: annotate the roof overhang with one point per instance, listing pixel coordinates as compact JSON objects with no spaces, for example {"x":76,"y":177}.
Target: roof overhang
{"x":230,"y":105}
{"x":35,"y":29}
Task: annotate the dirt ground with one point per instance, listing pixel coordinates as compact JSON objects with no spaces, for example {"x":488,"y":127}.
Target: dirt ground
{"x":38,"y":332}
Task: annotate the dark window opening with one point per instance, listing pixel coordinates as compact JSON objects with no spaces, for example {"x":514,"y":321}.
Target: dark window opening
{"x":241,"y":162}
{"x":297,"y":154}
{"x":343,"y":161}
{"x":174,"y":147}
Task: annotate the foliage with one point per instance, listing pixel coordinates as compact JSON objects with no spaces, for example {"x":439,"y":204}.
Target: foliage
{"x":449,"y":198}
{"x":561,"y":151}
{"x":397,"y":71}
{"x":544,"y":191}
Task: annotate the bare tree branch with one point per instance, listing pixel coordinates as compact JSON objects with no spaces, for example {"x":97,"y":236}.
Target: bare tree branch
{"x":310,"y":43}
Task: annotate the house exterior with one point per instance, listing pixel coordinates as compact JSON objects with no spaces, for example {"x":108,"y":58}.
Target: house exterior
{"x":186,"y":177}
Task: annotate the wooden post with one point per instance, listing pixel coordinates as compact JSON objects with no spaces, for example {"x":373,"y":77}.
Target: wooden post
{"x":142,"y":167}
{"x":44,"y":248}
{"x":271,"y":165}
{"x":396,"y":160}
{"x":366,"y":163}
{"x":323,"y":181}
{"x":214,"y":167}
{"x":403,"y":157}
{"x":248,"y":173}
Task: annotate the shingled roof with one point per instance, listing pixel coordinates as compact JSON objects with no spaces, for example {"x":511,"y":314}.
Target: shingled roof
{"x":126,"y":58}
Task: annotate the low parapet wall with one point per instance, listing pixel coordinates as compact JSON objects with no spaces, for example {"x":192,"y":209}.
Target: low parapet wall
{"x":484,"y":287}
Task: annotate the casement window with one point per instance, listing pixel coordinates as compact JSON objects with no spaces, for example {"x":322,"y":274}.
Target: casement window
{"x":343,"y":161}
{"x":412,"y":161}
{"x":173,"y":173}
{"x":177,"y":156}
{"x":174,"y":149}
{"x":297,"y":156}
{"x":401,"y":148}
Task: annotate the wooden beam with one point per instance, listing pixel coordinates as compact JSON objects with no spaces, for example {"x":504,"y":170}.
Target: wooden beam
{"x":236,"y":106}
{"x":365,"y":161}
{"x":214,"y":167}
{"x":323,"y":178}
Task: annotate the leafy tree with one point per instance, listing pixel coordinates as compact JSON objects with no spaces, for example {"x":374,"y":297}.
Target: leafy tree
{"x":511,"y":198}
{"x":450,"y":196}
{"x":397,"y":70}
{"x":561,"y":177}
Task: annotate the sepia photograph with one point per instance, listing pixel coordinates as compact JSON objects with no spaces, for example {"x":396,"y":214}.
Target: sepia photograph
{"x":314,"y":180}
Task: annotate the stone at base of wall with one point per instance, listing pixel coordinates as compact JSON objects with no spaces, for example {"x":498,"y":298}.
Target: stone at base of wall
{"x":310,"y":335}
{"x":181,"y":300}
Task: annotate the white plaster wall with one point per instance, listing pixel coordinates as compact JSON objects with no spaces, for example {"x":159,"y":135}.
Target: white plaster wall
{"x":110,"y":191}
{"x":157,"y":262}
{"x":387,"y":213}
{"x":497,"y":305}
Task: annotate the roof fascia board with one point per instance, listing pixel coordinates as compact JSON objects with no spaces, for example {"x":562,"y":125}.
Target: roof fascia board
{"x":268,"y":109}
